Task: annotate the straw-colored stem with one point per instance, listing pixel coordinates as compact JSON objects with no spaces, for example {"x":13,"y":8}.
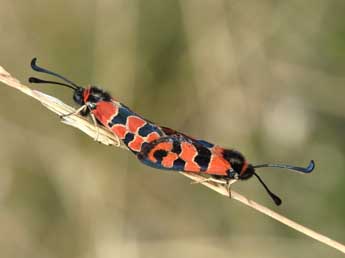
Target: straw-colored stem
{"x":106,"y":137}
{"x":288,"y":222}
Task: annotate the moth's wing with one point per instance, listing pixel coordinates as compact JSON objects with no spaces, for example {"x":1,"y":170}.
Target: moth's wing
{"x":171,"y":132}
{"x":180,"y":153}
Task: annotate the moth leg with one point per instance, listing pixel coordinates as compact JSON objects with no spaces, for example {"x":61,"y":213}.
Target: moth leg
{"x":231,"y":181}
{"x":76,"y":112}
{"x":95,"y":123}
{"x":228,"y":186}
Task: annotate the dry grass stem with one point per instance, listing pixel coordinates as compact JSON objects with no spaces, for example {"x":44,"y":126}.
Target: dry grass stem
{"x":60,"y":108}
{"x":108,"y":138}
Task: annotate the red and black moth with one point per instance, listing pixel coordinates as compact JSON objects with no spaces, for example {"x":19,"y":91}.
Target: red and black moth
{"x":161,"y":147}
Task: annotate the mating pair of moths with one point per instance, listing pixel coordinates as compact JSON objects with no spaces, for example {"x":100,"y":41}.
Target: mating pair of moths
{"x":161,"y":147}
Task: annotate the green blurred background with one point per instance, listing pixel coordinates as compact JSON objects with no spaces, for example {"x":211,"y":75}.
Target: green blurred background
{"x":265,"y":77}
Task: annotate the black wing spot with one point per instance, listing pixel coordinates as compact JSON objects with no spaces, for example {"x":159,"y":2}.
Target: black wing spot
{"x":203,"y":158}
{"x":146,"y":130}
{"x":176,"y":147}
{"x":121,"y":117}
{"x":128,"y":138}
{"x":179,"y":164}
{"x":202,"y":161}
{"x":160,"y":154}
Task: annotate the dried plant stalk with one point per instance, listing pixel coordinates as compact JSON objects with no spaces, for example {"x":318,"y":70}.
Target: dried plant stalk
{"x":61,"y":108}
{"x":108,"y":138}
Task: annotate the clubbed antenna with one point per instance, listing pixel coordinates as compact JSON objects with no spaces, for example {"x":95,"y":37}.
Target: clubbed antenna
{"x":35,"y":67}
{"x":274,"y":197}
{"x":36,"y":80}
{"x":306,"y":170}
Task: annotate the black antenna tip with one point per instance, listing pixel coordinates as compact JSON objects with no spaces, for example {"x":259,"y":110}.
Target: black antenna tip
{"x":310,"y":167}
{"x":33,"y":61}
{"x":34,"y":65}
{"x":276,"y":199}
{"x":33,"y":80}
{"x":36,"y":68}
{"x":307,"y":169}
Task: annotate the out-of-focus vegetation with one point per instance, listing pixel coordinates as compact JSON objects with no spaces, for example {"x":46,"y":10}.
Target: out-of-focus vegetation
{"x":265,"y":77}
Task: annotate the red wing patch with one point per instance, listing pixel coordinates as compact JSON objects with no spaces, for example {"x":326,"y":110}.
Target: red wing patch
{"x":134,"y":122}
{"x":152,"y":136}
{"x":169,"y":159}
{"x":119,"y":130}
{"x":162,"y":147}
{"x":188,"y":153}
{"x":180,"y":154}
{"x":104,"y":111}
{"x":135,"y":145}
{"x":218,"y":165}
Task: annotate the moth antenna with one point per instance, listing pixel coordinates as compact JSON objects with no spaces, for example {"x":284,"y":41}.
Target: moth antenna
{"x":306,"y":170}
{"x":36,"y":80}
{"x":36,"y":68}
{"x":274,"y":197}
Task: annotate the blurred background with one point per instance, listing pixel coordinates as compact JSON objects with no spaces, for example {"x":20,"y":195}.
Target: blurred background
{"x":264,"y":77}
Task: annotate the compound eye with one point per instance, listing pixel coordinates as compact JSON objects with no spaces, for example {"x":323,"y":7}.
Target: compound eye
{"x":78,"y":98}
